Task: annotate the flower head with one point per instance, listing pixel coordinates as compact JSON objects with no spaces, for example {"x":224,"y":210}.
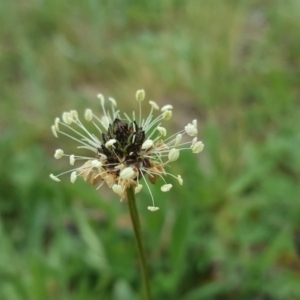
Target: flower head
{"x":126,"y":152}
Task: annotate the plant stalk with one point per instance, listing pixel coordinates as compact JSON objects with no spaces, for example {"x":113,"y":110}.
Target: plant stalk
{"x":137,"y":232}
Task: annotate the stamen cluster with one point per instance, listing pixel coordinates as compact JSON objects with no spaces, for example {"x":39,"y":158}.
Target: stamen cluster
{"x":126,"y":151}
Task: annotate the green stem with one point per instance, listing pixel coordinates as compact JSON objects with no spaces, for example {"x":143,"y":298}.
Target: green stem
{"x":137,"y":232}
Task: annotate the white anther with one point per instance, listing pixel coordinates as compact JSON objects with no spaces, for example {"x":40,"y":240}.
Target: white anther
{"x":117,"y":189}
{"x":59,"y":153}
{"x":166,"y":187}
{"x":195,"y":123}
{"x":162,"y":130}
{"x":167,"y":115}
{"x":178,"y":139}
{"x":110,"y":143}
{"x":193,"y":142}
{"x":180,"y":180}
{"x":166,"y":107}
{"x":101,"y":98}
{"x":96,"y":163}
{"x":72,"y":159}
{"x":153,"y":208}
{"x":173,"y":154}
{"x":127,"y":173}
{"x":88,"y":115}
{"x":198,"y":147}
{"x":67,"y":118}
{"x":74,"y":115}
{"x":54,"y":178}
{"x":140,"y":95}
{"x":73,"y":177}
{"x":154,"y":105}
{"x":113,"y":101}
{"x":138,"y":188}
{"x":147,"y":144}
{"x":105,"y":122}
{"x":191,"y":130}
{"x":53,"y":128}
{"x":56,"y":122}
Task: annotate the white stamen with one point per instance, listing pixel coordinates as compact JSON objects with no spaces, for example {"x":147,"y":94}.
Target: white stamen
{"x":54,"y":131}
{"x":195,"y":123}
{"x":54,"y":178}
{"x":101,"y":98}
{"x":110,"y":143}
{"x":117,"y":189}
{"x":113,"y":101}
{"x":173,"y":154}
{"x":166,"y":187}
{"x":191,"y":130}
{"x":56,"y":122}
{"x":167,"y":115}
{"x":67,"y":118}
{"x":127,"y":173}
{"x":198,"y":147}
{"x":162,"y":130}
{"x":59,"y":153}
{"x":73,"y":177}
{"x":180,"y":180}
{"x":166,"y":107}
{"x":140,"y":95}
{"x":88,"y":115}
{"x":153,"y":208}
{"x":147,"y":144}
{"x":138,"y":188}
{"x":96,"y":163}
{"x":177,"y":139}
{"x":74,"y":115}
{"x":154,"y":105}
{"x":194,"y":142}
{"x":72,"y":159}
{"x":105,"y":122}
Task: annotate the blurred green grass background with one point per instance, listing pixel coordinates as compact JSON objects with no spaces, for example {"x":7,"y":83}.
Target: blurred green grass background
{"x":231,"y":231}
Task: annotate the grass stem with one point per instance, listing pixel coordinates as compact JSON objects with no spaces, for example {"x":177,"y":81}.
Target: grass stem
{"x":137,"y":232}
